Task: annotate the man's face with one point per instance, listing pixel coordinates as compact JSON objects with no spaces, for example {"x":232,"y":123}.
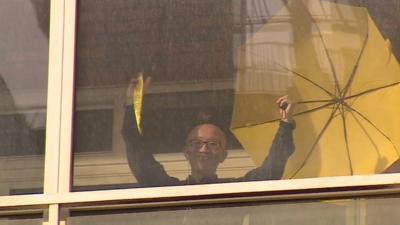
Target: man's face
{"x":205,"y":149}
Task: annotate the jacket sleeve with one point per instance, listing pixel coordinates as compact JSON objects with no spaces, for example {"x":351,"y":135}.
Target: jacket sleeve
{"x":273,"y":166}
{"x":146,"y":169}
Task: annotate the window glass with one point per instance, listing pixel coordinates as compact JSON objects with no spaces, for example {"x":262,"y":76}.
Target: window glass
{"x":21,"y":220}
{"x":23,"y":89}
{"x":340,"y":212}
{"x":203,"y":91}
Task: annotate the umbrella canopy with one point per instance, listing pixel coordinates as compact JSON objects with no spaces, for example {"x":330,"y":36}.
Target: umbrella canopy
{"x":332,"y":60}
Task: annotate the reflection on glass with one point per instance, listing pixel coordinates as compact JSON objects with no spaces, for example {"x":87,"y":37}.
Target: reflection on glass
{"x":23,"y":90}
{"x":340,"y":71}
{"x":338,"y":212}
{"x":144,"y":70}
{"x":333,"y":62}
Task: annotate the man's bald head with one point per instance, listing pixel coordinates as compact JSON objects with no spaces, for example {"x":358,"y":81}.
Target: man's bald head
{"x":205,"y":149}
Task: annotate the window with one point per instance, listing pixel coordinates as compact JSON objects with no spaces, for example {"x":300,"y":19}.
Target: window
{"x":338,"y":211}
{"x":23,"y":89}
{"x":228,"y":63}
{"x":22,"y":220}
{"x":191,"y":66}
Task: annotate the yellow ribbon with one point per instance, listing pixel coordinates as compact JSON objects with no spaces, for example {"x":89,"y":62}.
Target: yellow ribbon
{"x":138,"y":101}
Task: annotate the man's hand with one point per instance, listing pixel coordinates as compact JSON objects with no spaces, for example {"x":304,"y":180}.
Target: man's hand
{"x":133,"y":83}
{"x":285,"y":108}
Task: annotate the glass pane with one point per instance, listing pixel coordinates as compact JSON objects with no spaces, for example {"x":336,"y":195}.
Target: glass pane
{"x":21,"y":220}
{"x":338,"y":212}
{"x":149,"y":72}
{"x":23,"y":89}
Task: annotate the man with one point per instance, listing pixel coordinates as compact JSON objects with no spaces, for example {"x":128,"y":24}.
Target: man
{"x":205,"y":149}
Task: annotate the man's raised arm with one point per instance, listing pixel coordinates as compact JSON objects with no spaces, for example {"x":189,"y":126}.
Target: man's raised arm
{"x":281,"y":148}
{"x":146,"y":169}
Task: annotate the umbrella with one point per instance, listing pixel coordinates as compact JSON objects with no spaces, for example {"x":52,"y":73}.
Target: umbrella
{"x":332,"y":60}
{"x":138,"y":92}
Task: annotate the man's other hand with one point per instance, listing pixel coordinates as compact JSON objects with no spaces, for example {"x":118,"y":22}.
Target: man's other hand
{"x":286,"y":106}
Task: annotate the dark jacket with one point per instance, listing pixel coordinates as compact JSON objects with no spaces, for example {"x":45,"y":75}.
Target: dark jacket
{"x":149,"y":172}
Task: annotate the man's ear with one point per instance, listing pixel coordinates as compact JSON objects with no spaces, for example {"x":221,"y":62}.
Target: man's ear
{"x":223,"y":156}
{"x":185,"y":152}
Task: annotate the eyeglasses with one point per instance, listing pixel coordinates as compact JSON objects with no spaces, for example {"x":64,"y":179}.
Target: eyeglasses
{"x":198,"y":144}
